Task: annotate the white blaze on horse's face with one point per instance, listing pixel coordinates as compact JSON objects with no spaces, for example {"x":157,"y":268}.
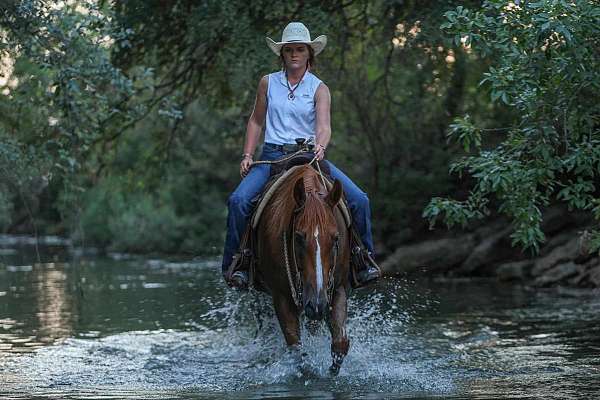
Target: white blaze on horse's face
{"x":319,"y":262}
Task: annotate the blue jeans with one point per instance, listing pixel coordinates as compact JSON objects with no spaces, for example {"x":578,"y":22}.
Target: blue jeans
{"x":240,"y":203}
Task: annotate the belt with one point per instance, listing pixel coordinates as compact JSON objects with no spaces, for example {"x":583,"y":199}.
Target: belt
{"x":288,"y":147}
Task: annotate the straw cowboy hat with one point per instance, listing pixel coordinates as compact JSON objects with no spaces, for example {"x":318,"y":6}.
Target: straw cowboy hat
{"x":296,"y":32}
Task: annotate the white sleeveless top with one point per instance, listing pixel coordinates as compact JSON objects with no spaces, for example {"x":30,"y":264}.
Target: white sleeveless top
{"x":290,"y":119}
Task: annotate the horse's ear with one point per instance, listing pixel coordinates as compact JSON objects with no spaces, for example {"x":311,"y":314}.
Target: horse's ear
{"x":299,"y":195}
{"x":335,"y":194}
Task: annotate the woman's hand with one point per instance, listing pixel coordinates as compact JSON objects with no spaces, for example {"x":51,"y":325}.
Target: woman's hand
{"x":319,"y":151}
{"x":245,"y":165}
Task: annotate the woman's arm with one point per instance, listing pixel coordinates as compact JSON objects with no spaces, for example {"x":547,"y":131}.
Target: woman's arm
{"x":323,"y":130}
{"x":255,"y":125}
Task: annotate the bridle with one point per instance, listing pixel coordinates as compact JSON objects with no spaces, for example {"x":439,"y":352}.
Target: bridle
{"x":296,"y":284}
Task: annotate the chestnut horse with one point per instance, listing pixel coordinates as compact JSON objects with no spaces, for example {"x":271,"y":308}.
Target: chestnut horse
{"x":303,"y":257}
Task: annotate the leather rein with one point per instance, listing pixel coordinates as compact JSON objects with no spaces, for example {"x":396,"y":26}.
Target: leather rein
{"x":295,"y":282}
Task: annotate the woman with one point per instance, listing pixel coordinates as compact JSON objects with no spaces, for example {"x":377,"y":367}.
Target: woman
{"x":295,"y":104}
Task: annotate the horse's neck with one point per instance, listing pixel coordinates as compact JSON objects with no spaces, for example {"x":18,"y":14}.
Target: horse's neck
{"x":339,"y":219}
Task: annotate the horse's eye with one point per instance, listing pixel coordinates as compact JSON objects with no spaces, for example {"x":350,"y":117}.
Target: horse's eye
{"x":300,"y":237}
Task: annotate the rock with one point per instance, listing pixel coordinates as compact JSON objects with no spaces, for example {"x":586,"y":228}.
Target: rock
{"x":568,"y":251}
{"x":576,"y":292}
{"x":491,"y":228}
{"x":579,"y":280}
{"x":558,"y":273}
{"x":437,"y":255}
{"x":594,"y":274}
{"x":585,"y":242}
{"x":486,"y":252}
{"x":555,"y":241}
{"x":554,"y":220}
{"x":583,"y":280}
{"x":518,"y":270}
{"x":558,"y":219}
{"x":593,"y":263}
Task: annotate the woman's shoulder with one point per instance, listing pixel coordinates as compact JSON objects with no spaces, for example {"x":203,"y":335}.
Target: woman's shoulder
{"x":274,"y":74}
{"x":316,"y":83}
{"x":314,"y":76}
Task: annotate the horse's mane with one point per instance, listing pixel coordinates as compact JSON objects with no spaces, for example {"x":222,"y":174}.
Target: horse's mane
{"x":314,"y":212}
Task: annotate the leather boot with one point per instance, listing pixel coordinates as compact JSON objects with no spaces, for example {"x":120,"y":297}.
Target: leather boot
{"x":240,"y":280}
{"x":238,"y":275}
{"x":365,"y":269}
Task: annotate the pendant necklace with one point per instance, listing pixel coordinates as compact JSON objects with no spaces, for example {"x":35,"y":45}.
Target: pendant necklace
{"x":291,"y":94}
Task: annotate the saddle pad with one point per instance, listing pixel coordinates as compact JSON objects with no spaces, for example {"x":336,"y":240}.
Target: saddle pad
{"x":271,"y":189}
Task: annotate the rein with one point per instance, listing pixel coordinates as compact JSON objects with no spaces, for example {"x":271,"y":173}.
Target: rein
{"x":289,"y":157}
{"x":303,"y":149}
{"x":296,"y":285}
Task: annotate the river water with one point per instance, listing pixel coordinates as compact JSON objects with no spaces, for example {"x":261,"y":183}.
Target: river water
{"x":121,"y":327}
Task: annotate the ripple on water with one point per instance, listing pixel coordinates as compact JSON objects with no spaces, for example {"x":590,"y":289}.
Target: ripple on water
{"x":232,"y":355}
{"x":476,"y":340}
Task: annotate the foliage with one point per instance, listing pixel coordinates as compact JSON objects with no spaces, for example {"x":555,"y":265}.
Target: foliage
{"x":545,"y":66}
{"x":123,"y":120}
{"x":159,"y":206}
{"x":64,"y":95}
{"x":138,"y":221}
{"x":21,"y":174}
{"x":68,"y":91}
{"x":386,"y":66}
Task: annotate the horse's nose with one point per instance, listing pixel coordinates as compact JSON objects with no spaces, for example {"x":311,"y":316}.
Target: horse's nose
{"x":314,"y":310}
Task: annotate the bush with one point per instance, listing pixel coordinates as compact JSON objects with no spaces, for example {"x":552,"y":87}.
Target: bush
{"x":545,"y":66}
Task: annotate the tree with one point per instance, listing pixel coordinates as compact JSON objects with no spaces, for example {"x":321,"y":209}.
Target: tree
{"x":546,"y":68}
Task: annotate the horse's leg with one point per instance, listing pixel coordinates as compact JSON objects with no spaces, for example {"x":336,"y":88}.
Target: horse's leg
{"x":288,"y":319}
{"x":337,"y":327}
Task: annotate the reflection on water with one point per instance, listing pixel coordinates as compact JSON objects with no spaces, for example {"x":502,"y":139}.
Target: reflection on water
{"x":155,"y":329}
{"x":40,"y":306}
{"x":55,"y":312}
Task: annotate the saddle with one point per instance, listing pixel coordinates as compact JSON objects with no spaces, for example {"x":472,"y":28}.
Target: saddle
{"x":300,"y":159}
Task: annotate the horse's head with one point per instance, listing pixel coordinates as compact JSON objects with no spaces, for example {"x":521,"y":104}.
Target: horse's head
{"x":316,"y":241}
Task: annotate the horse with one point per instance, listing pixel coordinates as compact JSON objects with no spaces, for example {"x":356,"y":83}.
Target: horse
{"x":303,"y":257}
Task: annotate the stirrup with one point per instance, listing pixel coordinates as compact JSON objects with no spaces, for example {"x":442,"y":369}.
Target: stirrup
{"x":368,"y":275}
{"x":365,"y":269}
{"x":240,"y":280}
{"x":237,"y":275}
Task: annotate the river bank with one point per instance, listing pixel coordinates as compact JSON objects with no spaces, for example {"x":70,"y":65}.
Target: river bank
{"x":563,"y":260}
{"x":485,"y":251}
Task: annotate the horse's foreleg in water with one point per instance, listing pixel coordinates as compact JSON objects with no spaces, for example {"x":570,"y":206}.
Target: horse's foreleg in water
{"x":337,"y":327}
{"x":288,"y":319}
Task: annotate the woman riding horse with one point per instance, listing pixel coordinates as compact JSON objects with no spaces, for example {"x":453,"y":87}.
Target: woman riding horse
{"x":295,"y":104}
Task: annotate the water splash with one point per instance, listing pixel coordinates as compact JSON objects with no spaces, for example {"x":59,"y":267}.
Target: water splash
{"x":237,"y":346}
{"x":94,"y":332}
